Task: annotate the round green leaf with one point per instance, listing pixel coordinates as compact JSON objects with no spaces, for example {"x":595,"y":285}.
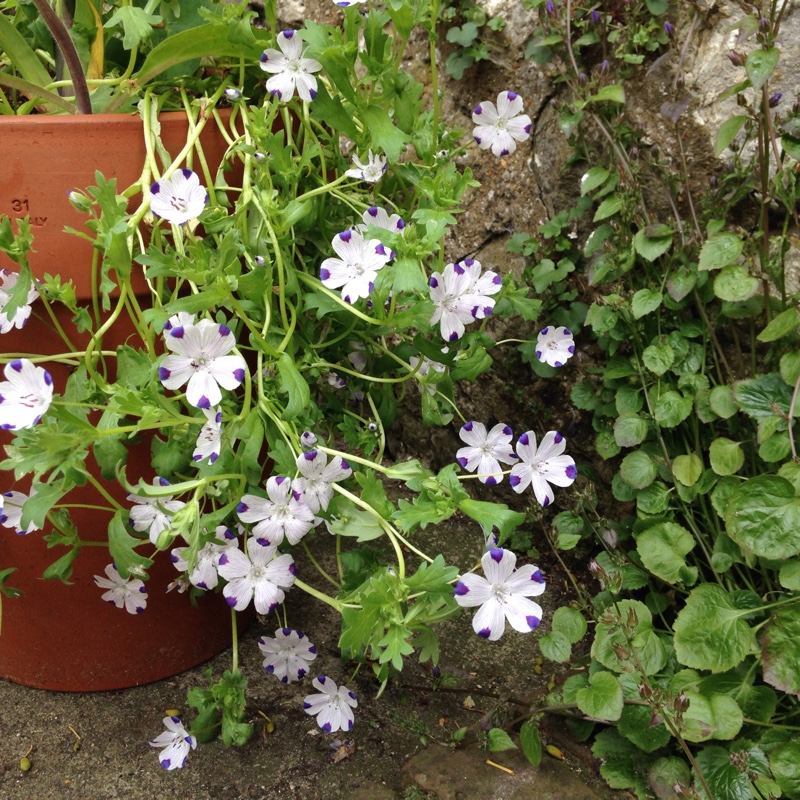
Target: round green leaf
{"x":784,"y":761}
{"x":721,"y":400}
{"x":630,"y":430}
{"x":654,"y":499}
{"x":735,"y":283}
{"x":555,"y":647}
{"x":570,"y":622}
{"x":645,"y":301}
{"x":763,"y":517}
{"x":710,"y":632}
{"x":658,"y":358}
{"x":671,"y":408}
{"x":687,"y":468}
{"x":719,"y":251}
{"x":638,"y":470}
{"x":775,"y":448}
{"x":663,"y":549}
{"x":602,"y":699}
{"x":722,"y":776}
{"x":651,"y":247}
{"x":726,"y":456}
{"x":649,"y":648}
{"x":714,"y":717}
{"x":605,"y":445}
{"x":780,"y":650}
{"x":665,"y":773}
{"x":635,"y":724}
{"x":789,"y":575}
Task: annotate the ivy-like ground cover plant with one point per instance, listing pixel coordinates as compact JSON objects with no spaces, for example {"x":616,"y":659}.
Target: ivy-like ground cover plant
{"x":694,"y":664}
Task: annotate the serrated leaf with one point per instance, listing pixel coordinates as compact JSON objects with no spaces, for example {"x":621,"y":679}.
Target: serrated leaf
{"x":638,"y":469}
{"x":671,"y":408}
{"x":658,"y":357}
{"x":570,"y":622}
{"x":687,"y":468}
{"x":602,"y":699}
{"x":122,"y":547}
{"x":780,"y":650}
{"x":663,"y":549}
{"x":645,"y":301}
{"x":650,"y":248}
{"x":720,"y":250}
{"x":630,"y":430}
{"x":293,"y":384}
{"x":735,"y":284}
{"x":555,"y":647}
{"x":784,"y":761}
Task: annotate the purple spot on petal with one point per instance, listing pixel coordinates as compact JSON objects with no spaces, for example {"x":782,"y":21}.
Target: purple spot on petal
{"x":163,"y":373}
{"x":512,"y":96}
{"x":324,"y":274}
{"x":544,"y":331}
{"x":491,"y":481}
{"x":567,"y":332}
{"x":462,"y":461}
{"x":557,"y":364}
{"x":322,"y":679}
{"x":346,"y":236}
{"x":453,"y":336}
{"x":372,"y":211}
{"x":16,"y":365}
{"x":327,"y":727}
{"x":477,"y":139}
{"x":467,"y":426}
{"x":380,"y":250}
{"x":485,"y":633}
{"x":546,"y":502}
{"x":203,"y":402}
{"x":239,"y":375}
{"x":223,"y":559}
{"x":433,"y":283}
{"x":539,"y":354}
{"x":572,"y":472}
{"x":571,"y":348}
{"x":458,"y":269}
{"x":292,"y":570}
{"x":313,"y":93}
{"x":504,"y":152}
{"x":524,"y":439}
{"x":497,"y":554}
{"x":306,"y":705}
{"x":537,"y":576}
{"x":187,"y":173}
{"x":310,"y":455}
{"x":558,"y":438}
{"x":288,"y":34}
{"x":224,"y":330}
{"x":532,"y":621}
{"x":461,"y":589}
{"x":155,"y":189}
{"x":527,"y":128}
{"x":477,"y":109}
{"x":177,"y":332}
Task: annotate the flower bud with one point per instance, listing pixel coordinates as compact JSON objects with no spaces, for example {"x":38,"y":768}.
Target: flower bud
{"x":550,"y":7}
{"x":669,"y":29}
{"x":79,"y":201}
{"x":308,"y":439}
{"x":232,"y":93}
{"x":737,"y":59}
{"x":259,"y":261}
{"x":595,"y":15}
{"x":681,"y":703}
{"x":259,"y":156}
{"x":775,"y":99}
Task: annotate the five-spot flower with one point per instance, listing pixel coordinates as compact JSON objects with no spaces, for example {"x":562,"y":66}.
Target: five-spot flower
{"x":285,"y":515}
{"x":8,"y":280}
{"x":371,"y":172}
{"x":542,"y":466}
{"x":178,"y":198}
{"x":25,"y":394}
{"x":291,"y":70}
{"x":209,"y":438}
{"x":128,"y":593}
{"x":204,"y":575}
{"x":259,"y":575}
{"x":554,"y":346}
{"x":316,"y":477}
{"x":380,"y":218}
{"x":356,"y":268}
{"x":200,"y":356}
{"x":176,"y":744}
{"x":500,"y":127}
{"x":486,"y":450}
{"x":11,"y":511}
{"x":502,"y":595}
{"x":288,"y":655}
{"x":333,"y":708}
{"x":153,"y":514}
{"x":461,"y":294}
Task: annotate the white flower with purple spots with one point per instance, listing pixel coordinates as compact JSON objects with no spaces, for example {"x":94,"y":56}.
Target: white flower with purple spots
{"x":179,"y":320}
{"x":11,"y":512}
{"x":348,"y":3}
{"x":200,"y":357}
{"x":502,"y":595}
{"x":8,"y":280}
{"x":204,"y":575}
{"x":288,"y":654}
{"x":380,"y":218}
{"x":178,"y":198}
{"x":485,"y":451}
{"x":291,"y":70}
{"x":316,"y":477}
{"x":539,"y":467}
{"x":461,"y":294}
{"x":209,"y":439}
{"x":308,"y":439}
{"x":286,"y":515}
{"x":555,"y":346}
{"x":25,"y":394}
{"x":259,"y":575}
{"x":371,"y":172}
{"x":500,"y":127}
{"x":128,"y":593}
{"x":176,"y":743}
{"x":356,"y":268}
{"x":153,"y":515}
{"x":333,"y":707}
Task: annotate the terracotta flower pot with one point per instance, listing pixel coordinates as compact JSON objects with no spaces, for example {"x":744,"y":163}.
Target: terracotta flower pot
{"x":58,"y":636}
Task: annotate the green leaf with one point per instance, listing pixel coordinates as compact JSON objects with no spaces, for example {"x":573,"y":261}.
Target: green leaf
{"x":602,"y":699}
{"x":122,"y":547}
{"x":785,"y":323}
{"x":760,"y":65}
{"x":721,"y":401}
{"x":687,"y":468}
{"x":714,"y":717}
{"x":293,"y":384}
{"x":137,"y":25}
{"x":763,"y":517}
{"x":610,"y":640}
{"x":671,"y":408}
{"x":433,"y":577}
{"x":555,"y":646}
{"x":784,"y":761}
{"x":623,"y":766}
{"x":638,"y":469}
{"x":710,"y":632}
{"x":727,"y":132}
{"x":780,"y":650}
{"x":570,"y":622}
{"x":613,"y":93}
{"x":790,"y":367}
{"x":658,"y":357}
{"x":724,"y":778}
{"x":735,"y":284}
{"x":396,"y":645}
{"x":720,"y":250}
{"x":758,"y":397}
{"x":359,"y":524}
{"x":663,"y":549}
{"x":650,"y":248}
{"x":531,"y":743}
{"x":610,"y":206}
{"x":593,"y":179}
{"x":726,"y":456}
{"x":499,"y":740}
{"x":630,"y":430}
{"x":493,"y":515}
{"x":636,"y":725}
{"x":331,"y":111}
{"x":645,"y":301}
{"x":789,"y":575}
{"x":384,"y":134}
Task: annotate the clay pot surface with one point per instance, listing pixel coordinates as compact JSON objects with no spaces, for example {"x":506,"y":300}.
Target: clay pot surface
{"x":57,"y":636}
